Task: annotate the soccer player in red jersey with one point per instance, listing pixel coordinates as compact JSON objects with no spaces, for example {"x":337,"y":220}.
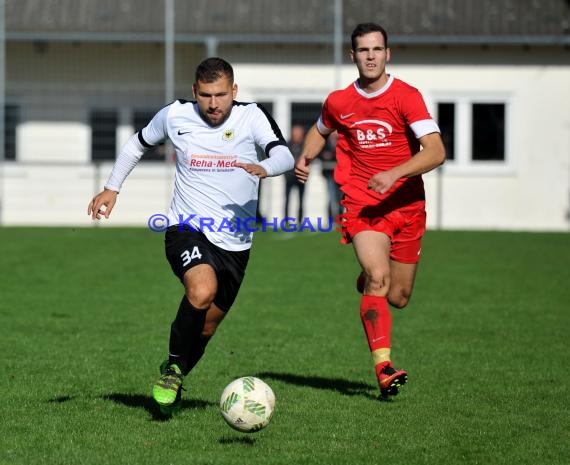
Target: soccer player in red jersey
{"x":387,"y":140}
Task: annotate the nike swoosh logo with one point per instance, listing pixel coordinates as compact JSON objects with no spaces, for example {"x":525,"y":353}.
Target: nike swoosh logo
{"x":180,"y":133}
{"x":346,"y":116}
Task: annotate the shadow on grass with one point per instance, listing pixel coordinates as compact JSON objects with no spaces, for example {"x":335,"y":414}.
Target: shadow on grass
{"x":60,"y":399}
{"x":248,"y":441}
{"x":340,"y":385}
{"x":147,"y":403}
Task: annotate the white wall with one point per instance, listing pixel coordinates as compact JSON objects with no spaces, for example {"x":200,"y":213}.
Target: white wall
{"x":54,"y":181}
{"x":58,"y":194}
{"x":532,"y":190}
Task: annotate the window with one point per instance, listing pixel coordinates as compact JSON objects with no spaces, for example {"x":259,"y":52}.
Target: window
{"x":488,"y":131}
{"x":268,"y":106}
{"x":446,"y":121}
{"x":140,"y":120}
{"x":305,"y":113}
{"x":103,"y":134}
{"x":475,"y":133}
{"x":11,"y":120}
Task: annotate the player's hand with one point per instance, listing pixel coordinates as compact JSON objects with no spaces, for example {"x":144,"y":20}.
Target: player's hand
{"x":252,"y":168}
{"x":382,"y":182}
{"x":102,"y":204}
{"x":302,"y":169}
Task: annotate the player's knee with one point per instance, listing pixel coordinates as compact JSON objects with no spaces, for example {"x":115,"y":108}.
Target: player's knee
{"x":377,"y":282}
{"x":200,"y":285}
{"x":200,"y":297}
{"x":400,"y":297}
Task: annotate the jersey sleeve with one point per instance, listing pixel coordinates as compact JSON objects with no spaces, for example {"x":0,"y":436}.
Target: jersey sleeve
{"x":326,"y":122}
{"x":280,"y":160}
{"x":155,"y":131}
{"x":264,"y":129}
{"x":130,"y":154}
{"x":416,"y":114}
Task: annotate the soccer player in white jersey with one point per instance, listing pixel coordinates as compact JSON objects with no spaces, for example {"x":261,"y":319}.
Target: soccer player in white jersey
{"x":209,"y":236}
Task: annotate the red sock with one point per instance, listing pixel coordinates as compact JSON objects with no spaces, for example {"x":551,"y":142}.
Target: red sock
{"x":377,"y":321}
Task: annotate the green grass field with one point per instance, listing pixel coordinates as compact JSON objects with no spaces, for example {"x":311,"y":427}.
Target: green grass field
{"x":85,"y":316}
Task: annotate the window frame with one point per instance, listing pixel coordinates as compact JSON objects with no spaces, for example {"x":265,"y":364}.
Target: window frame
{"x":103,"y":109}
{"x":463,"y":162}
{"x":12,"y":129}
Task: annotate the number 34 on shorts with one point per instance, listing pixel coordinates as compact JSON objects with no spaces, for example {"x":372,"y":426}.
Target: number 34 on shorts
{"x":188,"y":256}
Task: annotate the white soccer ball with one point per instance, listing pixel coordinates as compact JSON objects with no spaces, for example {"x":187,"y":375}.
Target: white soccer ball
{"x":247,"y":404}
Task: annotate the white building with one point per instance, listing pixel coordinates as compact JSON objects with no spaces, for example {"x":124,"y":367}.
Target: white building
{"x":81,"y":76}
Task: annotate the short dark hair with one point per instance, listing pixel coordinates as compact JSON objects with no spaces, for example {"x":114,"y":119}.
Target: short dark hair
{"x":212,"y":69}
{"x":366,"y":28}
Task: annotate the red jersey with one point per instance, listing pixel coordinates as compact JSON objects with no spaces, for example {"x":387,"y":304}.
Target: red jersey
{"x":377,"y":132}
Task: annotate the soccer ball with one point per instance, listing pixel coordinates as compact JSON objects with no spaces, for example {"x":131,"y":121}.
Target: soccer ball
{"x":247,"y":404}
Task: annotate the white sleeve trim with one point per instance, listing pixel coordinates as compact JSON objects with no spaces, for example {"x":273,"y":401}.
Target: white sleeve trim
{"x":280,"y":160}
{"x":424,"y":127}
{"x":322,"y":128}
{"x":128,"y":158}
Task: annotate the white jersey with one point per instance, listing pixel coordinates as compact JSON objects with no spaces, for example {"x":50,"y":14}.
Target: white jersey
{"x":210,"y":192}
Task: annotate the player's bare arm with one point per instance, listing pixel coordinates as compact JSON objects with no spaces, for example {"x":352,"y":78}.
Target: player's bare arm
{"x":106,"y":199}
{"x":313,"y":145}
{"x":431,"y":156}
{"x":254,"y":169}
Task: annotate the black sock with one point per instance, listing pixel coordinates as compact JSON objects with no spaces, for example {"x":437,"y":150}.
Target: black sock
{"x":185,"y":333}
{"x":195,"y":354}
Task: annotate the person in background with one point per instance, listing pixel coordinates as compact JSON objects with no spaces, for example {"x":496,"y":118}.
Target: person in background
{"x":295,"y":144}
{"x":329,"y":162}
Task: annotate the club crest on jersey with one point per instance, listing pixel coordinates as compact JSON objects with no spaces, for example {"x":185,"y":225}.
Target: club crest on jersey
{"x":228,"y":135}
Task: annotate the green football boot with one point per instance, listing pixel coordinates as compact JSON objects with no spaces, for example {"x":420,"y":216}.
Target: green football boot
{"x":167,"y":391}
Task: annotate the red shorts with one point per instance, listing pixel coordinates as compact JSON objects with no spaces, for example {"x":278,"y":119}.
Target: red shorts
{"x":404,"y":226}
